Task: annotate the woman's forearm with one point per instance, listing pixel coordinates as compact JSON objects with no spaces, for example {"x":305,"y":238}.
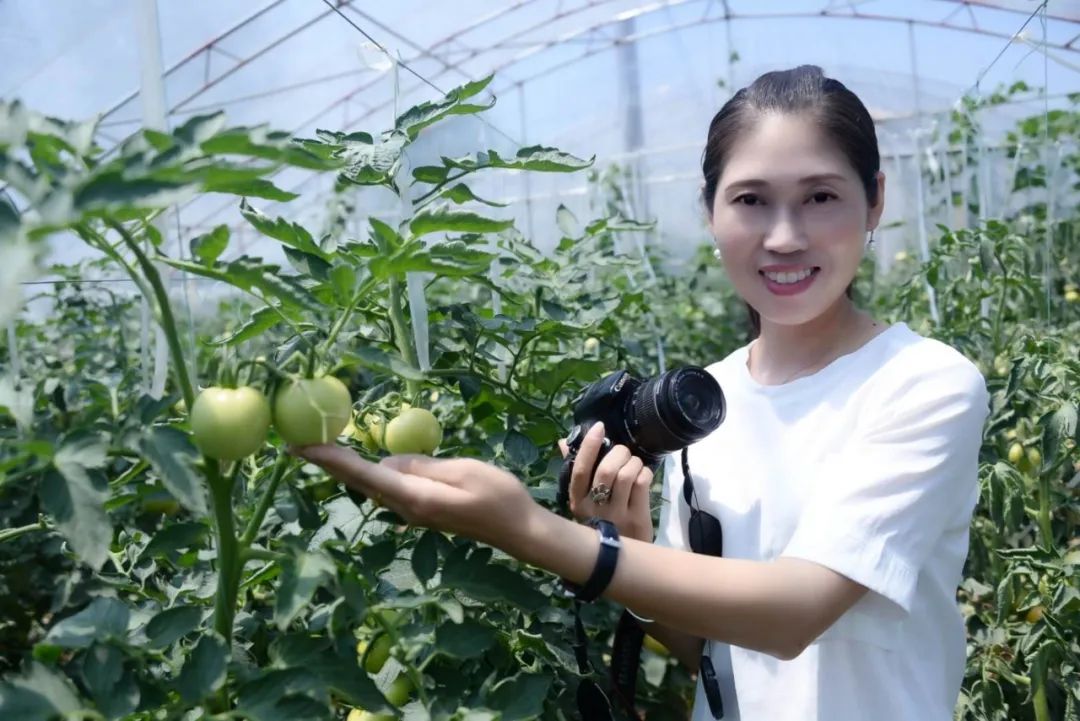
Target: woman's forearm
{"x":744,"y":603}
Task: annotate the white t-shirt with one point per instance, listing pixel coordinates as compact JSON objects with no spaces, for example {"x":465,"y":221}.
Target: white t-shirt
{"x":868,"y":467}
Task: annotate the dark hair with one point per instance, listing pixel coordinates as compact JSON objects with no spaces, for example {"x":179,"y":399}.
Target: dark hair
{"x":805,"y":89}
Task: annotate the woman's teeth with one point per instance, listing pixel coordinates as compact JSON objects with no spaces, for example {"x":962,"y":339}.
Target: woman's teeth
{"x":788,"y":277}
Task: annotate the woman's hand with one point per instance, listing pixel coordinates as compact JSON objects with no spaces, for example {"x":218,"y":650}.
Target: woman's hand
{"x":459,"y":495}
{"x":627,"y":477}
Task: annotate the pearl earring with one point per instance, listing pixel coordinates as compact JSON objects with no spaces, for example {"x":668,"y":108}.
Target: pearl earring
{"x":716,"y":253}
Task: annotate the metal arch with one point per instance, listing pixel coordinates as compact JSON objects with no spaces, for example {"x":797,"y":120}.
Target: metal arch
{"x":725,"y":16}
{"x":608,"y":42}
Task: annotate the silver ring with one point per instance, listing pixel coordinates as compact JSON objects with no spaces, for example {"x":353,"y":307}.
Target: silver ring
{"x":600,"y":494}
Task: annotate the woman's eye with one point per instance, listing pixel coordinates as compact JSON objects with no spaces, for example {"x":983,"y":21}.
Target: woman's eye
{"x":822,"y":197}
{"x":748,"y":199}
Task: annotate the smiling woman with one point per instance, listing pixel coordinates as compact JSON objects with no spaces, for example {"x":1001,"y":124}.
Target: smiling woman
{"x":842,"y":481}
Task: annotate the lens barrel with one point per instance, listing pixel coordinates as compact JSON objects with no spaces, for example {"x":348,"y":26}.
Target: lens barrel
{"x":675,"y":409}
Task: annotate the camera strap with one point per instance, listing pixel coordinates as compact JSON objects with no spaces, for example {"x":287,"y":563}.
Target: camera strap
{"x":625,"y":662}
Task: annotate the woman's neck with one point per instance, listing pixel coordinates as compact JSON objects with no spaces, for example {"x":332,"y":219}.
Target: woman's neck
{"x":783,"y":353}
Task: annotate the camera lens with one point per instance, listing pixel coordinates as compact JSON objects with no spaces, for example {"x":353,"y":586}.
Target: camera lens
{"x":675,"y":409}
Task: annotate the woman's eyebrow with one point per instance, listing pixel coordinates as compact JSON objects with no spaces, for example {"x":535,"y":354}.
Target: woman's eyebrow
{"x":808,"y":180}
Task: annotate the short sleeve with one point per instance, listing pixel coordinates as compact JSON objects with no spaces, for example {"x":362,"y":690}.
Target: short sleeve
{"x":673,"y":512}
{"x":911,"y":473}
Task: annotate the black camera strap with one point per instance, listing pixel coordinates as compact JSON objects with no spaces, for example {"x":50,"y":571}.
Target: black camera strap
{"x":625,"y":662}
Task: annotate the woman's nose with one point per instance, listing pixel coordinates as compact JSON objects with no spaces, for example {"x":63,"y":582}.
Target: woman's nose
{"x":786,"y":235}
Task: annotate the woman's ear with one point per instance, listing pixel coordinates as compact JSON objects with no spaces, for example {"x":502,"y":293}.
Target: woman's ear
{"x":873,"y":216}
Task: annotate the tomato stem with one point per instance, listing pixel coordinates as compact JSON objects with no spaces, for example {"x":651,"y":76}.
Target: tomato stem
{"x":401,"y":332}
{"x":255,"y":522}
{"x":228,"y":550}
{"x":165,"y":318}
{"x":1038,"y":699}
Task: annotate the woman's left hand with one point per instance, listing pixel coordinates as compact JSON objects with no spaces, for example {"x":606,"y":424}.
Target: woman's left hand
{"x":459,"y":495}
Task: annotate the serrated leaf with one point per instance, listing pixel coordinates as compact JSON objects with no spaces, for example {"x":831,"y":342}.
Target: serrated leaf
{"x":75,"y":496}
{"x":251,"y":275}
{"x":425,"y":556}
{"x":175,"y":537}
{"x":430,"y":173}
{"x":103,"y":619}
{"x":416,"y":118}
{"x":307,"y":264}
{"x":171,"y":625}
{"x":39,"y":694}
{"x":462,"y":193}
{"x":384,"y":363}
{"x":260,"y":321}
{"x":209,"y":246}
{"x":1062,"y":425}
{"x":465,"y":640}
{"x":490,"y":582}
{"x":433,"y":220}
{"x":204,"y":671}
{"x":172,"y":455}
{"x":293,"y":235}
{"x":301,"y":575}
{"x":521,"y":697}
{"x":111,"y":191}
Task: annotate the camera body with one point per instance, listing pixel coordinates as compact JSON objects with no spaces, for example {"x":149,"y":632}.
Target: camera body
{"x":651,"y":417}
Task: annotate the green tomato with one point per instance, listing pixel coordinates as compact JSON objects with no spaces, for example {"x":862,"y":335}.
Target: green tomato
{"x":359,"y":714}
{"x":1016,"y":453}
{"x":399,"y":691}
{"x":312,"y":410}
{"x":416,"y":430}
{"x":230,"y":423}
{"x":378,"y":653}
{"x":161,"y":503}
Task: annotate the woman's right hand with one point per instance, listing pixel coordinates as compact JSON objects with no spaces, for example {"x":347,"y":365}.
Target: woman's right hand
{"x":627,"y":477}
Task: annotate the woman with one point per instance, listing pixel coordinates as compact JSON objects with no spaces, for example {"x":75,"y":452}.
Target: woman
{"x":844,"y":476}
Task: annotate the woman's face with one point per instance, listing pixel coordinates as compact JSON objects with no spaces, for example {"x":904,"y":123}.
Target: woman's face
{"x":790,"y":218}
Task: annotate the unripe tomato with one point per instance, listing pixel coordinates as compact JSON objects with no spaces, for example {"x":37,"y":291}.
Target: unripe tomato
{"x":1034,"y":614}
{"x":1071,"y":296}
{"x":161,"y":503}
{"x":1016,"y":453}
{"x":591,"y":345}
{"x":1034,"y":458}
{"x":312,"y":410}
{"x":416,"y":430}
{"x":359,"y":714}
{"x":378,"y":653}
{"x":230,"y":423}
{"x":399,"y":691}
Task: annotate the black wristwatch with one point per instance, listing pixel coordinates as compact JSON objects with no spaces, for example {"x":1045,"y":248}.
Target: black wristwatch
{"x":605,"y":563}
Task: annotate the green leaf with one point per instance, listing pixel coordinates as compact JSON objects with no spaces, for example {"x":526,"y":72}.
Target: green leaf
{"x":209,"y":246}
{"x":276,"y":146}
{"x":521,"y":697}
{"x":383,"y":363}
{"x":307,"y":264}
{"x":251,"y":275}
{"x":535,"y":157}
{"x":176,"y":537}
{"x":103,"y":619}
{"x":293,"y":235}
{"x":566,"y":221}
{"x":172,"y":455}
{"x":430,"y":173}
{"x":204,"y":671}
{"x":433,"y":220}
{"x":415,"y":119}
{"x":102,"y":667}
{"x":490,"y":582}
{"x":249,"y":187}
{"x":451,"y":259}
{"x":172,"y":624}
{"x":462,"y":193}
{"x":260,"y":321}
{"x":519,"y":449}
{"x":342,"y":674}
{"x":18,"y":403}
{"x":301,"y":576}
{"x":40,"y":694}
{"x":425,"y":556}
{"x":1062,"y":425}
{"x":110,"y":191}
{"x":343,"y":282}
{"x":75,"y":497}
{"x":465,"y":640}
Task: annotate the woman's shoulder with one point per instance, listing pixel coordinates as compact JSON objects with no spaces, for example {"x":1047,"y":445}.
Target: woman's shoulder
{"x":908,"y":362}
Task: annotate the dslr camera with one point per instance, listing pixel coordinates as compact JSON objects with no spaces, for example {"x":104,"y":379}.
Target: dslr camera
{"x":651,"y":417}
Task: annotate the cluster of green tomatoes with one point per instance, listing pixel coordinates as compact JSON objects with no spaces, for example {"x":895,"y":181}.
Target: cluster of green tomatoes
{"x":231,"y":423}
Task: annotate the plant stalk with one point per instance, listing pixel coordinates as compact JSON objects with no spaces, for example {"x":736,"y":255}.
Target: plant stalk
{"x":255,"y":522}
{"x":228,"y":551}
{"x":401,"y":332}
